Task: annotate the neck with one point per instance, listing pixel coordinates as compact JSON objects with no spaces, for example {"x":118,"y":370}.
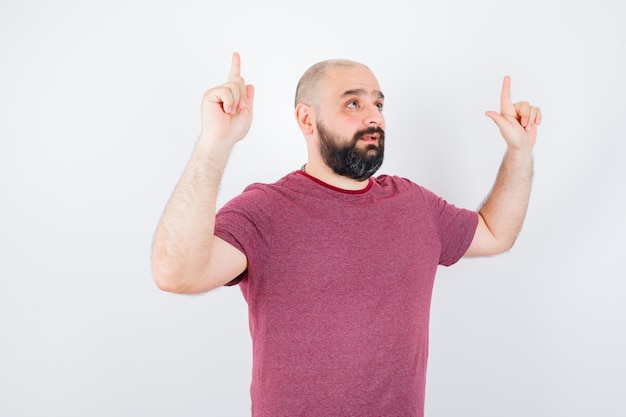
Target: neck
{"x":323,"y":173}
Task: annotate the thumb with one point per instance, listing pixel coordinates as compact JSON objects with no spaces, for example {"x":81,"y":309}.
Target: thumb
{"x":496,"y":117}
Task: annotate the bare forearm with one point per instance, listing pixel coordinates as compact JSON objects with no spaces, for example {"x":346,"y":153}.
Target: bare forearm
{"x":502,"y":215}
{"x":181,"y":249}
{"x":186,"y":255}
{"x":505,"y":208}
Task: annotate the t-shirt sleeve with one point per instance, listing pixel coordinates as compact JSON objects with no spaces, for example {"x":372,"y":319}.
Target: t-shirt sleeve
{"x":456,"y":227}
{"x":245,"y":223}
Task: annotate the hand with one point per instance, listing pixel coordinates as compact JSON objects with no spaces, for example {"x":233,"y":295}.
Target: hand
{"x":517,"y":122}
{"x":227,"y":108}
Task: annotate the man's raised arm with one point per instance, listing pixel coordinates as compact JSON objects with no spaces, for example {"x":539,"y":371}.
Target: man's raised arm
{"x":186,"y":256}
{"x":502,"y":214}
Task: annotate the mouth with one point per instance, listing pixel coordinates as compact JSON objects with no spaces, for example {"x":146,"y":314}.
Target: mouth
{"x":370,"y":138}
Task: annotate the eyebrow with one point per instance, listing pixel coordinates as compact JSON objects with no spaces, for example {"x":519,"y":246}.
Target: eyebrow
{"x":361,"y":92}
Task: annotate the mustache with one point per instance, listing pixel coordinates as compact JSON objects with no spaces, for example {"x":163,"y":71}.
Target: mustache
{"x":370,"y":130}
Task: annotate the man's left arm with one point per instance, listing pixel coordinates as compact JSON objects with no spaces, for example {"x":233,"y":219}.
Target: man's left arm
{"x":501,"y":216}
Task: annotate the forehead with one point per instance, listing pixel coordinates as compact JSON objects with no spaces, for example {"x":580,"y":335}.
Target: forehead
{"x":342,"y":80}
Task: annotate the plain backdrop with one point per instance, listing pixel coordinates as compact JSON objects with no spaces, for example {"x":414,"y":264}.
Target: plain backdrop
{"x":99,"y":112}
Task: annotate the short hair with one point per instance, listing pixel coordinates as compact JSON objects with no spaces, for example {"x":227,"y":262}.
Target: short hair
{"x":306,"y":91}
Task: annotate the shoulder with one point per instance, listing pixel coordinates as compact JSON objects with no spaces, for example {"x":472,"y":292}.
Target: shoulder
{"x":398,"y":184}
{"x":409,"y":192}
{"x":385,"y":179}
{"x":288,"y":181}
{"x":260,"y":195}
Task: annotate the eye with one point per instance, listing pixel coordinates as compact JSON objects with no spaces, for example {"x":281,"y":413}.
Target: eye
{"x":379,"y":106}
{"x":352,"y":104}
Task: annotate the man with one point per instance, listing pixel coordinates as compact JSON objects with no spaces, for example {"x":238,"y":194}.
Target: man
{"x":336,"y":266}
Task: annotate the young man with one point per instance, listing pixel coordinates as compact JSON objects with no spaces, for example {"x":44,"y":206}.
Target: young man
{"x":337,"y":266}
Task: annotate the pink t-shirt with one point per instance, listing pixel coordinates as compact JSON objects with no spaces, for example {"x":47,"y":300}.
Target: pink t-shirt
{"x":338,"y":288}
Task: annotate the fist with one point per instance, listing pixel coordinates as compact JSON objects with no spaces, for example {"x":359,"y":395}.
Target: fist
{"x":227,"y":108}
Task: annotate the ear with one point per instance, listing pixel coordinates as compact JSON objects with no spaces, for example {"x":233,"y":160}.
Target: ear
{"x":304,"y":117}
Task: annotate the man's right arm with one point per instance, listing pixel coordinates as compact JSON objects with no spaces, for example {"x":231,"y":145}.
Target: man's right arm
{"x":186,"y":255}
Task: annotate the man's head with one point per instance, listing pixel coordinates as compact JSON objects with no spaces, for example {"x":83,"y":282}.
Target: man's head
{"x":339,"y":110}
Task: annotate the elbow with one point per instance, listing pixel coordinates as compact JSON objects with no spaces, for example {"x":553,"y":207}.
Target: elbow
{"x":174,"y":284}
{"x":177,"y":279}
{"x":168,"y":277}
{"x":502,"y":246}
{"x":488,"y":245}
{"x":166,"y":285}
{"x":165,"y":279}
{"x":167,"y":270}
{"x":506,"y":243}
{"x":489,"y":241}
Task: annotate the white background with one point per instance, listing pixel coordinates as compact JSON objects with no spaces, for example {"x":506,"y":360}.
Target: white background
{"x":99,"y":111}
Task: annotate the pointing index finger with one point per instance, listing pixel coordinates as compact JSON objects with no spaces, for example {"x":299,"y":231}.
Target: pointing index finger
{"x":235,"y":67}
{"x":506,"y":103}
{"x":505,"y":97}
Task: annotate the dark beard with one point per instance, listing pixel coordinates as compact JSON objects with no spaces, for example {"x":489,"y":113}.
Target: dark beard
{"x":348,"y":160}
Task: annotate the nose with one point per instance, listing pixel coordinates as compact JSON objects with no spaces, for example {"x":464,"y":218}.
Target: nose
{"x":374,"y":117}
